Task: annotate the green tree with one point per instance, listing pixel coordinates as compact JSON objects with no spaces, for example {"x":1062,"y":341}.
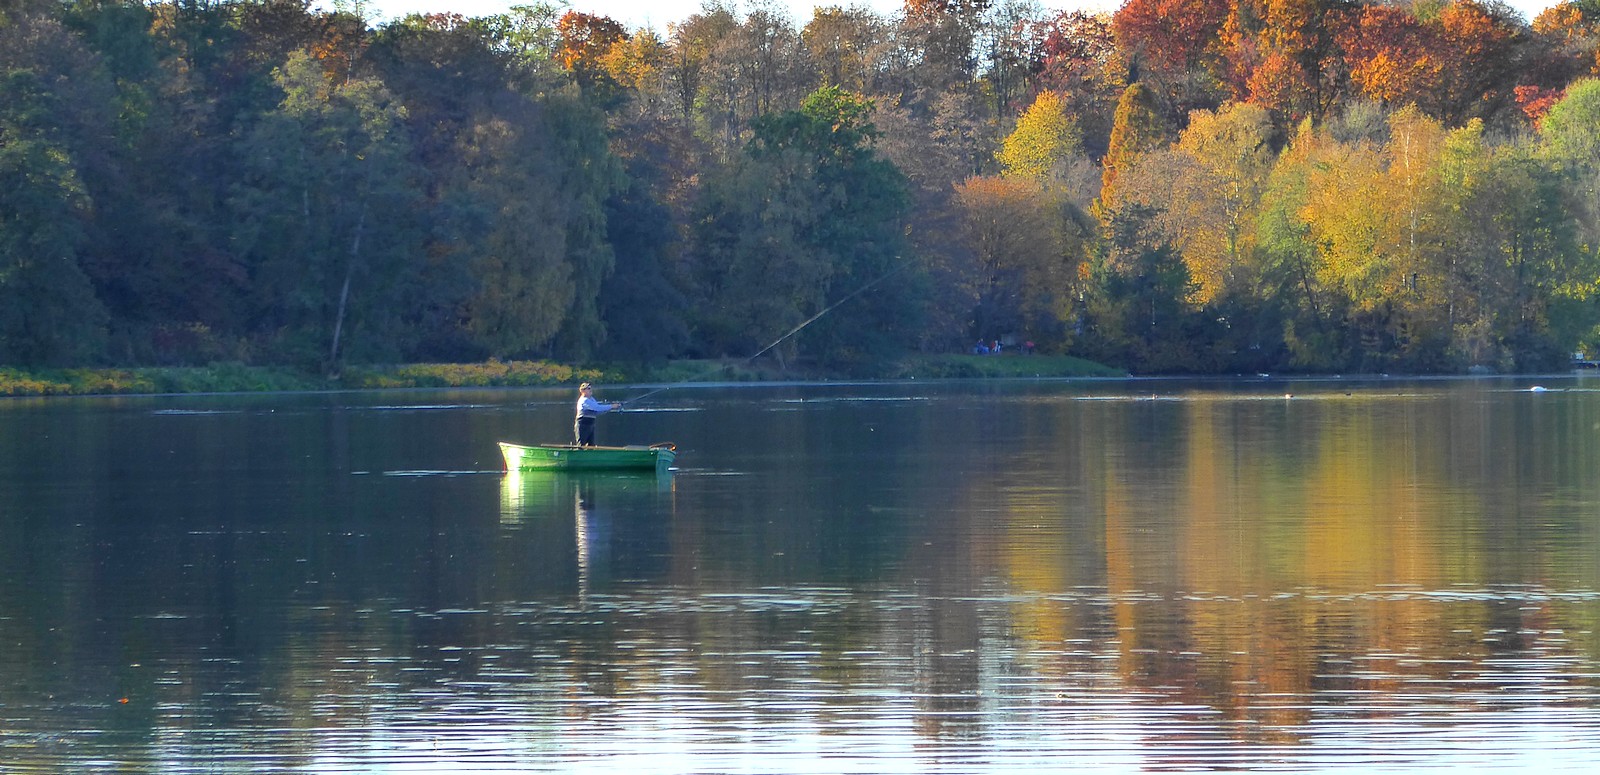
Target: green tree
{"x":1570,"y":140}
{"x":526,"y":224}
{"x":326,"y":216}
{"x":49,"y":315}
{"x":587,"y":175}
{"x":1311,"y":314}
{"x":807,"y":215}
{"x":1520,"y":291}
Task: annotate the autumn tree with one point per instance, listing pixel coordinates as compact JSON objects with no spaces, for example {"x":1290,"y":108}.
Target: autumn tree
{"x":1169,"y":35}
{"x":586,"y":42}
{"x":1045,"y":141}
{"x":1023,"y":272}
{"x":1078,"y":59}
{"x":845,"y":46}
{"x":1311,"y":313}
{"x":1563,"y":46}
{"x":1453,"y":66}
{"x":943,"y":36}
{"x":1284,"y":55}
{"x":1006,"y":47}
{"x":639,"y":64}
{"x":1026,"y":229}
{"x":1138,"y":129}
{"x":1220,"y":167}
{"x":1349,"y":207}
{"x":1481,"y":43}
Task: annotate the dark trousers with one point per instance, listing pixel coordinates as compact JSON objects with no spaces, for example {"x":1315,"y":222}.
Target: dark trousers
{"x":583,"y":431}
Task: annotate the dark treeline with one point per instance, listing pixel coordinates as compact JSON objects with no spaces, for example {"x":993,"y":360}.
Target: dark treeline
{"x":1182,"y":186}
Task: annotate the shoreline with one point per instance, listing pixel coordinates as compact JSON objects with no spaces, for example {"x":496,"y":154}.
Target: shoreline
{"x":240,"y":378}
{"x":237,"y":379}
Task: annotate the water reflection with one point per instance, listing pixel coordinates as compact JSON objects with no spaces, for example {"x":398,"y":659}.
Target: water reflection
{"x":612,"y":513}
{"x":967,"y":579}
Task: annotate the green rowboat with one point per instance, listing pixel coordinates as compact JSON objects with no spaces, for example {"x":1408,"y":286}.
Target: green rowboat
{"x":565,"y":457}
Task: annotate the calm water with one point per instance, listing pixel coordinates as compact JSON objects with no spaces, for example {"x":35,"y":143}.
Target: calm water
{"x":902,"y":578}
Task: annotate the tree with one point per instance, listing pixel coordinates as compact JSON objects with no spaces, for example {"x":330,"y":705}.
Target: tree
{"x":1284,"y":56}
{"x":1453,"y":66}
{"x":1481,"y":42}
{"x":807,"y":215}
{"x":1028,"y":248}
{"x":943,"y":36}
{"x":1169,"y":35}
{"x":1570,"y":143}
{"x":324,"y":218}
{"x":844,"y":46}
{"x":1393,"y":57}
{"x":587,"y":175}
{"x":1311,"y":312}
{"x":1520,"y":291}
{"x":1138,"y":129}
{"x":1078,"y":59}
{"x":1005,"y":46}
{"x":1563,"y":46}
{"x":643,"y":312}
{"x":586,"y":43}
{"x":1215,"y":195}
{"x":1044,"y":143}
{"x":49,"y":315}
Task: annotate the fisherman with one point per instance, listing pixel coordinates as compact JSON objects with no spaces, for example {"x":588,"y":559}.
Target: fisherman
{"x":588,"y":409}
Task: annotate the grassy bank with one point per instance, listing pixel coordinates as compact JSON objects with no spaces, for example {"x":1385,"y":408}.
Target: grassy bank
{"x":238,"y":378}
{"x":1000,"y":367}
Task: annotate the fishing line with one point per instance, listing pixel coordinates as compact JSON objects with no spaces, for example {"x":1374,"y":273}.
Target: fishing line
{"x":779,"y":340}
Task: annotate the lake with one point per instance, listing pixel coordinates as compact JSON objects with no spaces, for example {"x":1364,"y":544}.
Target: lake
{"x":943,"y":577}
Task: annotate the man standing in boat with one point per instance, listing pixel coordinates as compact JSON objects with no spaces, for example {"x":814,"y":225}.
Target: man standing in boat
{"x":588,"y":409}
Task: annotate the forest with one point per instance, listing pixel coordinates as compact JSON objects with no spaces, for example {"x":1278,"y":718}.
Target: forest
{"x":1181,"y":187}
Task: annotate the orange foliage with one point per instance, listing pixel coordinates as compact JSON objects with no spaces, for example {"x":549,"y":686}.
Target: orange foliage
{"x":586,"y":39}
{"x":1077,"y":53}
{"x":1447,"y":65}
{"x":1277,"y":84}
{"x":1536,"y":101}
{"x":1562,"y":21}
{"x":929,"y":10}
{"x":1392,"y":56}
{"x":1477,"y":43}
{"x":1171,"y":34}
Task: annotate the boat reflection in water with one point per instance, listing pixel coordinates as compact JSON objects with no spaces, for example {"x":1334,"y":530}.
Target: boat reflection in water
{"x":621,"y":520}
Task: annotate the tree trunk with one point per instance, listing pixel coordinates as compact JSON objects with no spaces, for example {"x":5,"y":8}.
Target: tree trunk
{"x":344,"y":293}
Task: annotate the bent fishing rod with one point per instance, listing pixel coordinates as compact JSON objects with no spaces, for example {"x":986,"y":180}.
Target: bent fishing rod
{"x":775,"y":342}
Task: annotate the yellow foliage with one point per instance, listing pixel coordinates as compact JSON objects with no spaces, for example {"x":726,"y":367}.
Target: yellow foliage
{"x":494,"y":373}
{"x":1044,"y":140}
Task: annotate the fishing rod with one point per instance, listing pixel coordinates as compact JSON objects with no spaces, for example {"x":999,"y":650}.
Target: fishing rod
{"x":779,"y":340}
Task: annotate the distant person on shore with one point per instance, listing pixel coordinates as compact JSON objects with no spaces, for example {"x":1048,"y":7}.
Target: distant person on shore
{"x":588,"y":409}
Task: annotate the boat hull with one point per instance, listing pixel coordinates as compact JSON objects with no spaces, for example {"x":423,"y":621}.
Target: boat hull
{"x":565,"y":457}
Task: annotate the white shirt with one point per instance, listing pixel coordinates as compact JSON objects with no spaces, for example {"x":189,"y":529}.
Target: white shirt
{"x":588,"y":407}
